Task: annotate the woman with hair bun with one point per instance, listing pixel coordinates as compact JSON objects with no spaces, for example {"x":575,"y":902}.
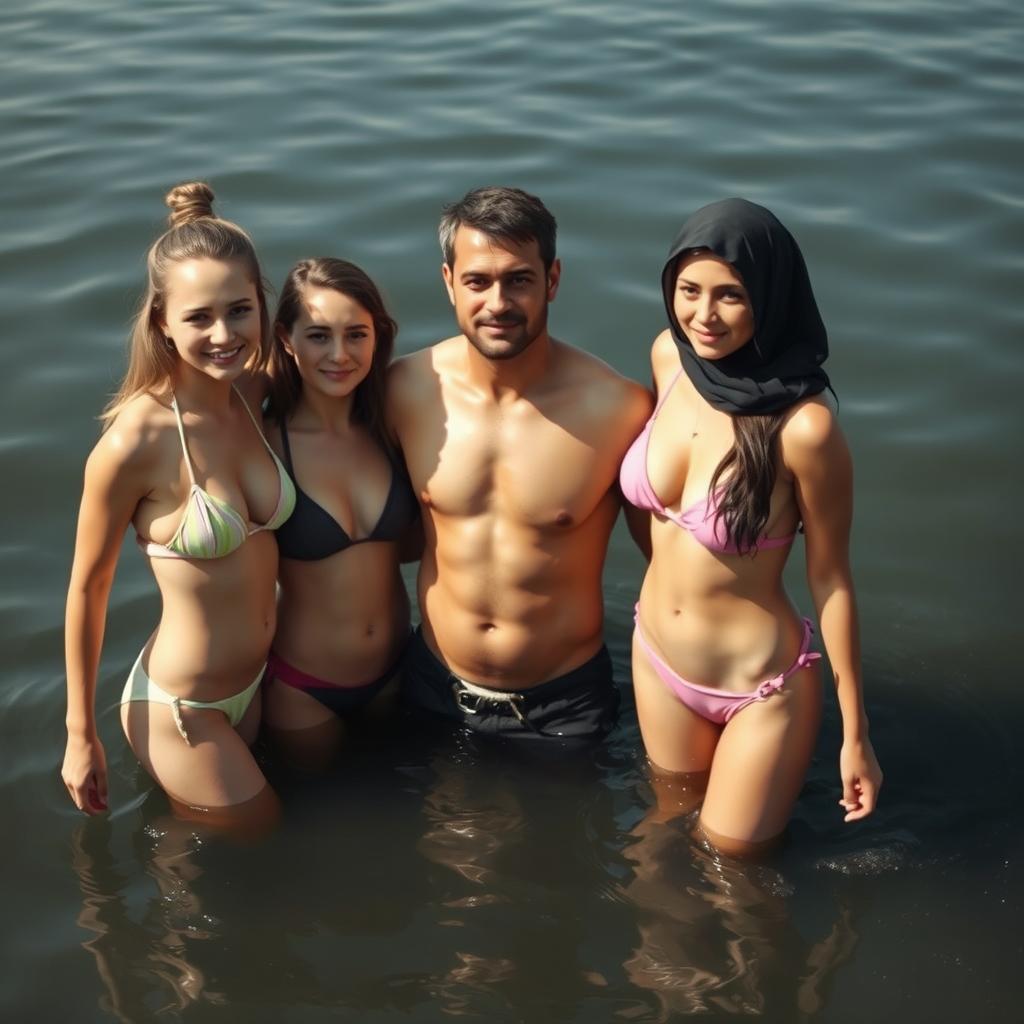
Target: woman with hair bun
{"x":742,"y":449}
{"x":343,"y":612}
{"x":182,"y":459}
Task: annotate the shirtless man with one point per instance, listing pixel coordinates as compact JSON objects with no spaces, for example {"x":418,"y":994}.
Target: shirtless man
{"x":513,"y":441}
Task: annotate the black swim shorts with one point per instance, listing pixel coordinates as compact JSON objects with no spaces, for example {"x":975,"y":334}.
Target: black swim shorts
{"x":580,"y":705}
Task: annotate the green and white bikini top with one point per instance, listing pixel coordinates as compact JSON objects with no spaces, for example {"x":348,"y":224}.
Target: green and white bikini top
{"x":210,"y":527}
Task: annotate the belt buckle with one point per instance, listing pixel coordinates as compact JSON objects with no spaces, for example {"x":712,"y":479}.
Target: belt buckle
{"x":461,"y":693}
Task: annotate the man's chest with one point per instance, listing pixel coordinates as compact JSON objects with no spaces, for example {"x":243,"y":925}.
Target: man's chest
{"x":526,"y":469}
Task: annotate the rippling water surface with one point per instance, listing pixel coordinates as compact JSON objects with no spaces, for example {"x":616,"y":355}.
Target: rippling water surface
{"x":431,"y":879}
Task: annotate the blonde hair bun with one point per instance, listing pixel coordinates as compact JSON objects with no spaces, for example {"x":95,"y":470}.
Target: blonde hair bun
{"x":189,"y":201}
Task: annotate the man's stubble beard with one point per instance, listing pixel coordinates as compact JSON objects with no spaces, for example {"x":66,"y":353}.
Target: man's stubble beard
{"x":509,"y":352}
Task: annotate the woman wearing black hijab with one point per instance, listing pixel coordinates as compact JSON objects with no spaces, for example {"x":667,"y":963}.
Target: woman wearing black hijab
{"x":743,"y":448}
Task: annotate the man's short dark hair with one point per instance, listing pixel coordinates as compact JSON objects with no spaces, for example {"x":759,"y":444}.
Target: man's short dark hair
{"x":498,"y":212}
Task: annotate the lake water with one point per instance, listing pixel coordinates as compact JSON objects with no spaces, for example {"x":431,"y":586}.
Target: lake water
{"x":429,"y":879}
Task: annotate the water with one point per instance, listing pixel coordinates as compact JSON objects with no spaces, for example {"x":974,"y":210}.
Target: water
{"x":427,"y":878}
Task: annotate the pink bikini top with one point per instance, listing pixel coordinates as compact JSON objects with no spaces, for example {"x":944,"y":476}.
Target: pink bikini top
{"x":701,"y":519}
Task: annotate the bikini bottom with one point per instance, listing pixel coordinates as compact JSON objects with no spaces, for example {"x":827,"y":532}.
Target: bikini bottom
{"x":140,"y":687}
{"x":341,"y":700}
{"x":719,"y":706}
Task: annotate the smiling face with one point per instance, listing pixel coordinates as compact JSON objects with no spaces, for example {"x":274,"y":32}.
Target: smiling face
{"x":211,"y":315}
{"x":500,"y":292}
{"x":332,"y":341}
{"x":712,"y":306}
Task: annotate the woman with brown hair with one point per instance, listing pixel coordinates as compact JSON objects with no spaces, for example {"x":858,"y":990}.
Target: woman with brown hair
{"x":183,"y":460}
{"x":343,"y":613}
{"x":742,"y":449}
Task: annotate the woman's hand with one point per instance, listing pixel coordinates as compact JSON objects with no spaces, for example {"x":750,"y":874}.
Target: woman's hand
{"x":862,"y":779}
{"x":85,"y":774}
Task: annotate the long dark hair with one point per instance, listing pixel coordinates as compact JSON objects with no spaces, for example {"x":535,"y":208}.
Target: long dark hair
{"x":752,"y":466}
{"x":285,"y":381}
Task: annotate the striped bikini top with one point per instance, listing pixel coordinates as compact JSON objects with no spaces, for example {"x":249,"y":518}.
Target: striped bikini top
{"x":210,"y":527}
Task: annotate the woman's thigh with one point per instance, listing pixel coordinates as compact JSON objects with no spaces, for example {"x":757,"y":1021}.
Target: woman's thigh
{"x":214,"y":768}
{"x":676,"y":739}
{"x":760,"y":764}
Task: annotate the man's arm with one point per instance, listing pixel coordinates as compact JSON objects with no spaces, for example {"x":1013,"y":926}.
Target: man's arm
{"x":637,"y":405}
{"x":638,"y":521}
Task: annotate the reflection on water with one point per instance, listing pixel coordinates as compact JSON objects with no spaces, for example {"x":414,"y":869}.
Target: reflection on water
{"x":525,"y":899}
{"x":504,"y":837}
{"x":449,"y":878}
{"x":718,"y":935}
{"x":142,"y":962}
{"x":471,"y":818}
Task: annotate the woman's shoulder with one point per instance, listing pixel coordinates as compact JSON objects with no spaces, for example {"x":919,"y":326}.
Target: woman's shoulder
{"x":665,"y":360}
{"x":139,"y":431}
{"x":810,"y":429}
{"x":664,"y":351}
{"x":810,"y":420}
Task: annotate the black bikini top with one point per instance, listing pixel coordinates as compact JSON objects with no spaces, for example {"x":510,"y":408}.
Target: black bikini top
{"x":311,"y":532}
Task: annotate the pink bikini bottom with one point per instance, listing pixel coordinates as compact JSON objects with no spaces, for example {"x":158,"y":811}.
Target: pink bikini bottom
{"x":716,"y":705}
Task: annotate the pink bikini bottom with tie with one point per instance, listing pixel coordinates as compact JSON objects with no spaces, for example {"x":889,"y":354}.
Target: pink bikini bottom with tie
{"x":715,"y":705}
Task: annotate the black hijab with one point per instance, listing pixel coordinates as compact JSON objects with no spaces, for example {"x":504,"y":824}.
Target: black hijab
{"x":781,"y":364}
